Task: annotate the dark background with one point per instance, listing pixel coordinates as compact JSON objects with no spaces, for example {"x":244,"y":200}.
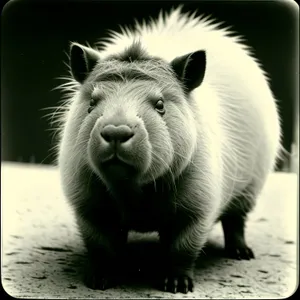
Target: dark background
{"x":36,"y":34}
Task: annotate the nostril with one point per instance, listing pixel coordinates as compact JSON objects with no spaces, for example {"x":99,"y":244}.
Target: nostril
{"x":126,"y":137}
{"x":106,"y":136}
{"x":121,"y":133}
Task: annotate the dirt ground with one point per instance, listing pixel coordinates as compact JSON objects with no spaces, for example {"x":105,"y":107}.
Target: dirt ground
{"x":43,"y":256}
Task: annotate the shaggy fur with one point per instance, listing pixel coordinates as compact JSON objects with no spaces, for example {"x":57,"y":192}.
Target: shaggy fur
{"x":203,"y":157}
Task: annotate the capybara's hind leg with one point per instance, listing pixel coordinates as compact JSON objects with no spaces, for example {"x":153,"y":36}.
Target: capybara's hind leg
{"x":234,"y":223}
{"x":234,"y":235}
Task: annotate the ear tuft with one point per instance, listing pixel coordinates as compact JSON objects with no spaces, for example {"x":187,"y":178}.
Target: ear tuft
{"x":190,"y":69}
{"x":82,"y":61}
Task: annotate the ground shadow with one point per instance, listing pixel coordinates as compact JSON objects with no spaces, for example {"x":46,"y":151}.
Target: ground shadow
{"x":141,"y":262}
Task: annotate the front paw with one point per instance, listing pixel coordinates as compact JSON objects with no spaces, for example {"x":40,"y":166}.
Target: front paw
{"x":182,"y":283}
{"x":98,"y":280}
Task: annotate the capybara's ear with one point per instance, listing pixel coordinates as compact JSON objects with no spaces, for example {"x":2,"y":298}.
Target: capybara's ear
{"x":190,"y":69}
{"x":82,"y":61}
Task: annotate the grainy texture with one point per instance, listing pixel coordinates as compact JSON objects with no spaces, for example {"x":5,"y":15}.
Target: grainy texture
{"x":43,"y":254}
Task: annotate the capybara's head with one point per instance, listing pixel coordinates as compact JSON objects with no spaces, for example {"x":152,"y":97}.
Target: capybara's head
{"x":132,"y":112}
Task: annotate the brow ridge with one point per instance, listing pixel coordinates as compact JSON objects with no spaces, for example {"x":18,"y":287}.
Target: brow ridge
{"x":124,"y":75}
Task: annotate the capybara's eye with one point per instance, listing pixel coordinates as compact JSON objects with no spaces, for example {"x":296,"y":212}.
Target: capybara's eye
{"x":159,"y":106}
{"x":92,"y":105}
{"x":92,"y":102}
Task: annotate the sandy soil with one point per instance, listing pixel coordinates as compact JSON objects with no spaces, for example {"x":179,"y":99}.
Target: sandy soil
{"x":43,"y":256}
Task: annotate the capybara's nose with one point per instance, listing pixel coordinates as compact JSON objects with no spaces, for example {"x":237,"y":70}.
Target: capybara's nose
{"x":121,"y":133}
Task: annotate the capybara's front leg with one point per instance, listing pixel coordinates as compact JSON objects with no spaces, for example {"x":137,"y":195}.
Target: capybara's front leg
{"x":103,"y":254}
{"x":180,"y":251}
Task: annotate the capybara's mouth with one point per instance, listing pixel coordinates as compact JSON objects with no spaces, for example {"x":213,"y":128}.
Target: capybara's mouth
{"x":116,"y":169}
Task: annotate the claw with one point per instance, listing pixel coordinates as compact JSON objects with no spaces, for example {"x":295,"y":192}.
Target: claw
{"x":185,"y":286}
{"x":103,"y":284}
{"x":166,"y":284}
{"x":175,"y":284}
{"x":191,"y":285}
{"x":250,"y":253}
